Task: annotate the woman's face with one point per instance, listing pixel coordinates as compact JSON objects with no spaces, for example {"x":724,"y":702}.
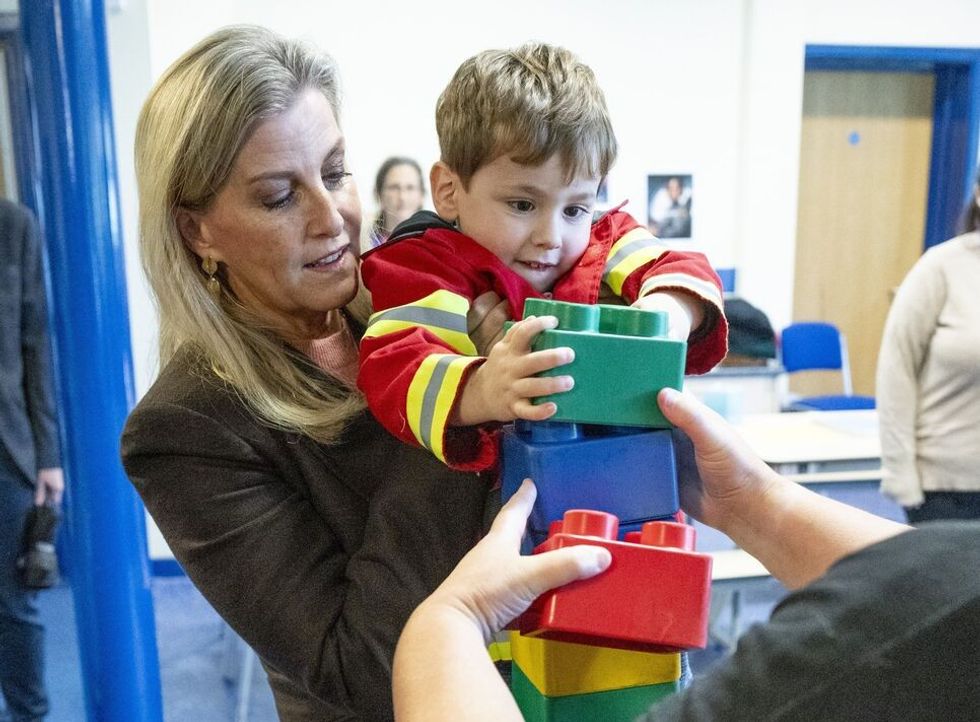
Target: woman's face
{"x":401,"y":194}
{"x":286,"y":223}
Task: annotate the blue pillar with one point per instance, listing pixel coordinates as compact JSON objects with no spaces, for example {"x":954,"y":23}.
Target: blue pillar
{"x":65,"y":52}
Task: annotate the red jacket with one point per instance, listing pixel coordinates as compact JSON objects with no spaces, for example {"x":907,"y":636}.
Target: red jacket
{"x":416,"y":354}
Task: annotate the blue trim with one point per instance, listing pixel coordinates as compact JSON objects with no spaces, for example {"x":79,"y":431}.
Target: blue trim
{"x":956,"y":117}
{"x":166,"y":568}
{"x":886,"y":58}
{"x":727,"y":276}
{"x":65,"y":53}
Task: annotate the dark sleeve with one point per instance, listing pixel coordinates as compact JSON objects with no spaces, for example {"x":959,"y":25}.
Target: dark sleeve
{"x":35,"y":350}
{"x":321,"y":600}
{"x":891,"y":632}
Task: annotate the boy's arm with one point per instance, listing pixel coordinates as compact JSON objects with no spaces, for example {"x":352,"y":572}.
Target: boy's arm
{"x":644,"y":272}
{"x":421,"y":372}
{"x":416,"y":353}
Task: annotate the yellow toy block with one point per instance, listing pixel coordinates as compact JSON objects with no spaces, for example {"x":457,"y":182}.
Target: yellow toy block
{"x":557,"y":669}
{"x":499,"y":647}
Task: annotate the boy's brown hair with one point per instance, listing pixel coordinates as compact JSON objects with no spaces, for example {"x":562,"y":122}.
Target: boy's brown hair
{"x":529,"y":103}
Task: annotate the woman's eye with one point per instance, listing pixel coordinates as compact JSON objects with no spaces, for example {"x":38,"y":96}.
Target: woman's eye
{"x":522,"y":206}
{"x":333,"y":181}
{"x":279,"y":202}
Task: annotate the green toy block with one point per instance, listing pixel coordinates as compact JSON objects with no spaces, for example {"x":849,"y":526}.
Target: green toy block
{"x":622,"y":359}
{"x":618,"y":705}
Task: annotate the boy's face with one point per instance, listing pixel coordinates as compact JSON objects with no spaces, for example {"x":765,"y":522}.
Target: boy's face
{"x":529,"y":217}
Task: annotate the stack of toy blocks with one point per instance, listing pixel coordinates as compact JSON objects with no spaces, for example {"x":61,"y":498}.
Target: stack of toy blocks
{"x":608,"y":647}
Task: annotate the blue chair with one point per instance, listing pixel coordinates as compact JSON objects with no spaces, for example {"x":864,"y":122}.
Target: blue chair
{"x":816,"y":346}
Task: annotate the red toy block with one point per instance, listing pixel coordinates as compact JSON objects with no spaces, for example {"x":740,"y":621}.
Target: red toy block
{"x":654,"y":597}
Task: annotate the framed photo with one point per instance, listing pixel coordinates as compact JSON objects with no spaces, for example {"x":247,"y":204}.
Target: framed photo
{"x":669,"y":205}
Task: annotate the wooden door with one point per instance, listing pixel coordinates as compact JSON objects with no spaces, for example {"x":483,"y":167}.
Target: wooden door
{"x":864,"y":173}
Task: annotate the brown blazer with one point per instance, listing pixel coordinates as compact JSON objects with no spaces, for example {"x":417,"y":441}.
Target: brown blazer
{"x":315,"y":555}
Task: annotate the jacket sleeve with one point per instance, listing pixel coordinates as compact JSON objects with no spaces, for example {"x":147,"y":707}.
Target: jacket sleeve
{"x":638,"y":264}
{"x":321,"y":601}
{"x":416,"y":353}
{"x":38,"y":371}
{"x":905,"y":343}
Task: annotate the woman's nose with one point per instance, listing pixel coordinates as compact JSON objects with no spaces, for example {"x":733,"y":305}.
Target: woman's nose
{"x":325,"y":218}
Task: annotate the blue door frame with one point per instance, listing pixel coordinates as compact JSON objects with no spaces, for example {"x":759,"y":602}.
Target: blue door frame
{"x":956,"y":117}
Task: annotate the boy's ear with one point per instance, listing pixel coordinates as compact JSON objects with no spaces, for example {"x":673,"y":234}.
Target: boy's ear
{"x":445,"y":184}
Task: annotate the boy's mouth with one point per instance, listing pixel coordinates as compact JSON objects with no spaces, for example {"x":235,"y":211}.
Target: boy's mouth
{"x":537,"y":265}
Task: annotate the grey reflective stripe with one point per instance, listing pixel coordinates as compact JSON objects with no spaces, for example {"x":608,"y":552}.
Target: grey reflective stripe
{"x":429,"y":399}
{"x":628,"y":249}
{"x":424,"y":317}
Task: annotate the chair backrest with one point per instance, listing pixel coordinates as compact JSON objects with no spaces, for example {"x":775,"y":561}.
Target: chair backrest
{"x":810,"y":346}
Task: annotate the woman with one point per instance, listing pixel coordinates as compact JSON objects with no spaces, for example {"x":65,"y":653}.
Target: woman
{"x":928,"y":382}
{"x":399,"y":190}
{"x":293,"y":512}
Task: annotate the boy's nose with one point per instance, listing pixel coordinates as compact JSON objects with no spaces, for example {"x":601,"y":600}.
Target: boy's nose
{"x":548,"y":235}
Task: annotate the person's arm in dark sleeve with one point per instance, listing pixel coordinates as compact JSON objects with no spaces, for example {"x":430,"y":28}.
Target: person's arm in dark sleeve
{"x":35,"y":350}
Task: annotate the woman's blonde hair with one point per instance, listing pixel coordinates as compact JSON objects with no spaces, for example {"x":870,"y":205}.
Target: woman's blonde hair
{"x":190,"y":130}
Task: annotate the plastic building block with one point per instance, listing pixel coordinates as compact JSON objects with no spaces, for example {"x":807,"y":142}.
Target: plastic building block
{"x":654,"y":597}
{"x":557,"y":669}
{"x":631,"y":475}
{"x":499,"y":647}
{"x":622,"y":359}
{"x":620,"y":705}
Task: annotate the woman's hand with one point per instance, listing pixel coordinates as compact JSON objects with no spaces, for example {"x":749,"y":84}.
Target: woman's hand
{"x":726,"y":475}
{"x":502,"y":388}
{"x":493,"y":583}
{"x":485,"y":321}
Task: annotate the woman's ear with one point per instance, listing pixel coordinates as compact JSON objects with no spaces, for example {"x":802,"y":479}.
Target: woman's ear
{"x":191,"y":230}
{"x":445,"y":185}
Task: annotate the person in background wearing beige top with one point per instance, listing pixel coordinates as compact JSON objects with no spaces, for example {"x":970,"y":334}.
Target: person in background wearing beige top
{"x":928,"y":383}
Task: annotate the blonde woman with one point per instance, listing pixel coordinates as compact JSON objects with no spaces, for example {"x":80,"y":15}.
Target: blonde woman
{"x":293,"y":512}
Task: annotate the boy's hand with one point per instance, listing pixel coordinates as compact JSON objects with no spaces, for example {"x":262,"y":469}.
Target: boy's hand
{"x":502,"y":388}
{"x":684,"y":312}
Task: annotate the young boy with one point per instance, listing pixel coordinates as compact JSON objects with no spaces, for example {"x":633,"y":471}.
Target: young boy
{"x":525,"y":139}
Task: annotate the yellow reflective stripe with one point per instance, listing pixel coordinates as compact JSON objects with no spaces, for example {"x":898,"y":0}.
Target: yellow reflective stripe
{"x":430,"y":398}
{"x":667,"y":281}
{"x":633,"y":250}
{"x":442,"y":313}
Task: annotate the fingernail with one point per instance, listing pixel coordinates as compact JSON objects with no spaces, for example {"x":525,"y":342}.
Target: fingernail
{"x":669,"y":395}
{"x":569,"y":382}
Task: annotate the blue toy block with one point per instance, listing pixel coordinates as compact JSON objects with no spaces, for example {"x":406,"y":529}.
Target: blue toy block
{"x":630,"y":475}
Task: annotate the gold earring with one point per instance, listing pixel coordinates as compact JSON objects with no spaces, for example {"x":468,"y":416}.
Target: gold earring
{"x":210,"y":267}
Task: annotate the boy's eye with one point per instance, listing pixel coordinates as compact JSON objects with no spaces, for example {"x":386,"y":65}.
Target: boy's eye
{"x":521,"y":206}
{"x":576,"y":212}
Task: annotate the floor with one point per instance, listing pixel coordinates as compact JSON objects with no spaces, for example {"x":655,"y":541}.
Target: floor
{"x":192,"y":644}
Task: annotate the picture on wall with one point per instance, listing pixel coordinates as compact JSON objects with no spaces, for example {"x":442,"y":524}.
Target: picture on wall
{"x":669,"y":205}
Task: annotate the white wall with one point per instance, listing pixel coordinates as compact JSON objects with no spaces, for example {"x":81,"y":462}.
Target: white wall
{"x":712,"y":87}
